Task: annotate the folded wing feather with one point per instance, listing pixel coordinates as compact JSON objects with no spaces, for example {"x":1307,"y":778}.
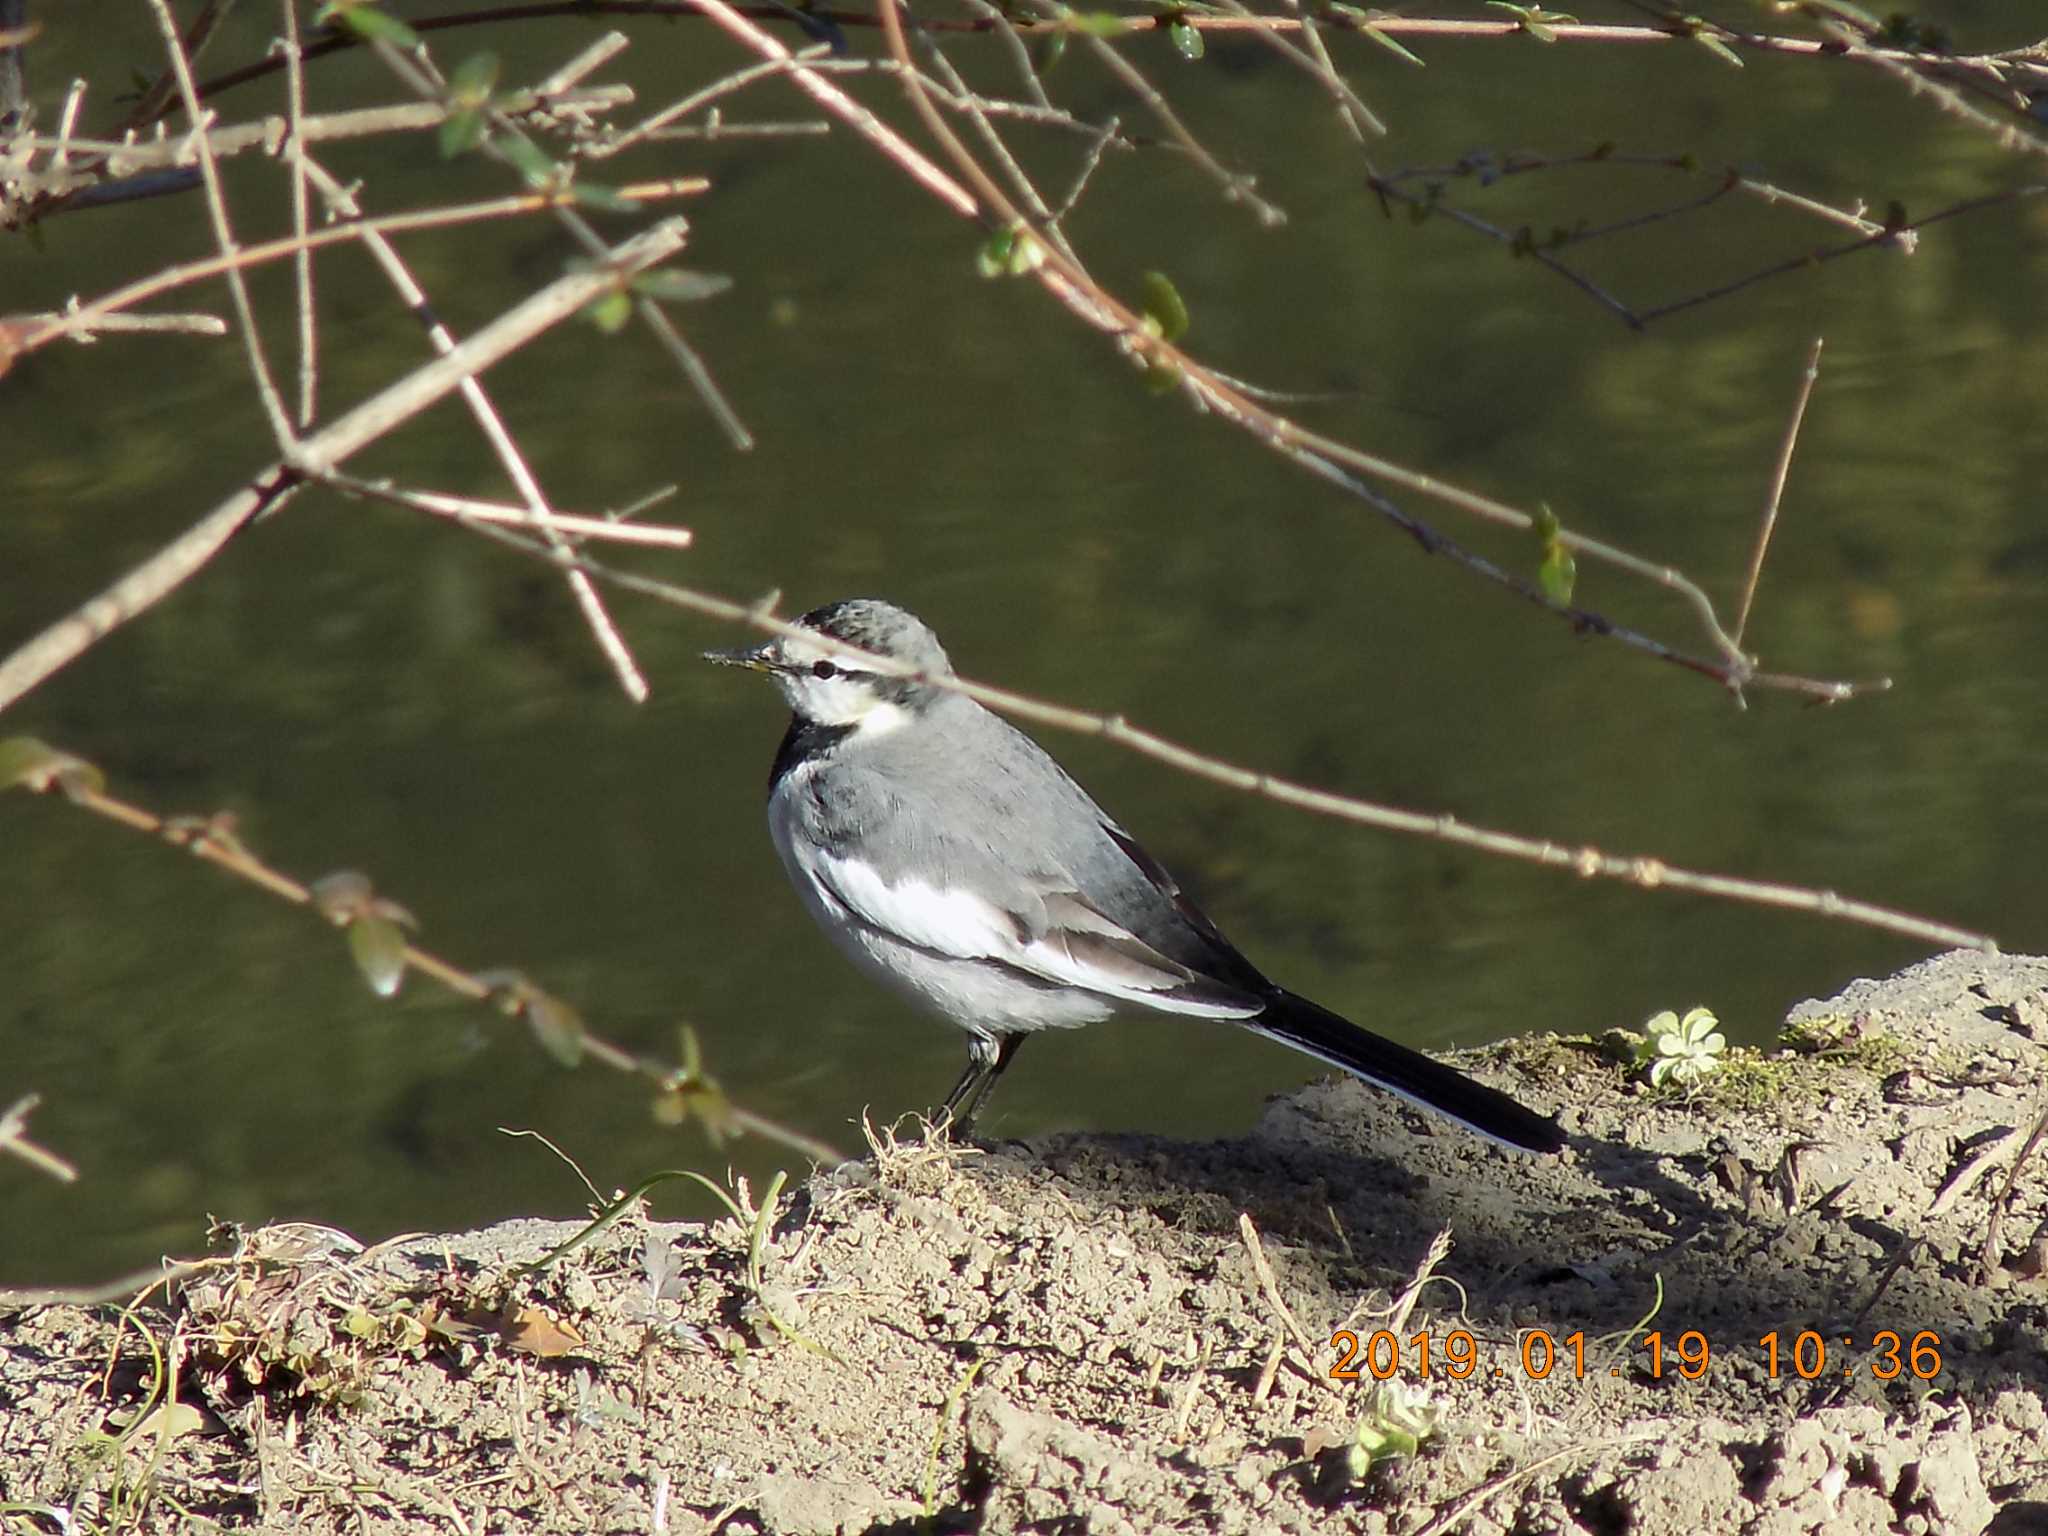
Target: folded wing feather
{"x":1064,"y":940}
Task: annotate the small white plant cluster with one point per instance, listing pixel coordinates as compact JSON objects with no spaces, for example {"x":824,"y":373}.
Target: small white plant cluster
{"x":1681,"y":1050}
{"x":1402,"y":1417}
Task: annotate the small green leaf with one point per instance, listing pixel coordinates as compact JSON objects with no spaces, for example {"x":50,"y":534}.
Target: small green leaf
{"x":1558,"y":574}
{"x":1097,"y":23}
{"x":531,"y":162}
{"x":1712,"y":43}
{"x":604,"y":199}
{"x":25,"y":760}
{"x":993,"y":259}
{"x":1401,"y":1418}
{"x":169,"y":1421}
{"x":1534,"y":20}
{"x":1392,"y":45}
{"x":1380,"y":1442}
{"x":474,"y":79}
{"x":469,"y":93}
{"x":369,"y":24}
{"x":679,"y":285}
{"x":1681,"y":1050}
{"x":1026,"y":254}
{"x":1164,"y":305}
{"x":1556,"y":571}
{"x":1361,"y":21}
{"x":377,"y":945}
{"x":509,"y":990}
{"x":461,"y":131}
{"x":610,"y":312}
{"x":1162,"y":378}
{"x":1187,"y":39}
{"x":37,"y":765}
{"x":557,"y":1026}
{"x":343,"y":896}
{"x":391,"y":911}
{"x":1009,"y":253}
{"x":218,"y":830}
{"x":358,"y":1323}
{"x":1050,"y":48}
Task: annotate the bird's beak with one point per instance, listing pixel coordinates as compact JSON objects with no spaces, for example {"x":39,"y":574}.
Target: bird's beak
{"x":756,"y":658}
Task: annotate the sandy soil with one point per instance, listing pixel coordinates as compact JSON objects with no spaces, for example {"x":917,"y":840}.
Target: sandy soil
{"x":1102,"y":1334}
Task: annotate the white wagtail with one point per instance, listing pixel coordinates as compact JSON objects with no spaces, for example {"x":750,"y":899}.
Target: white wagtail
{"x":953,"y":860}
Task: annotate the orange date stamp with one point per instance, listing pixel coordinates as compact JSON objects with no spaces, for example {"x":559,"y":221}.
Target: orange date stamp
{"x":1808,"y":1355}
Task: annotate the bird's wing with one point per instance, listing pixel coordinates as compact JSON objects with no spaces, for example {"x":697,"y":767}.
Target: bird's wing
{"x":1220,"y":952}
{"x":1047,"y":932}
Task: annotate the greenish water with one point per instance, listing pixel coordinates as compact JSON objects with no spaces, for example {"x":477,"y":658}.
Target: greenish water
{"x":363,"y":690}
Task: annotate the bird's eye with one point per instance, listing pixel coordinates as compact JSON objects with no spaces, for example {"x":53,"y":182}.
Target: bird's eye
{"x":823,"y":669}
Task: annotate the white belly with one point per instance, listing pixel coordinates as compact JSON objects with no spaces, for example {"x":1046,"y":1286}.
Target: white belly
{"x":978,"y":996}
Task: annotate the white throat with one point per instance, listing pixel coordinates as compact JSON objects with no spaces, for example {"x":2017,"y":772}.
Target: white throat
{"x":879,"y":720}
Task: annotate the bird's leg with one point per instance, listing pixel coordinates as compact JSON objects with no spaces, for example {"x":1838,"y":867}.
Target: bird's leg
{"x":987,"y":1057}
{"x":948,"y":1114}
{"x":1005,"y":1051}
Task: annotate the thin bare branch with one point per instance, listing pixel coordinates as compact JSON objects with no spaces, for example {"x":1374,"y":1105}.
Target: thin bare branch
{"x":86,"y":173}
{"x":609,"y":641}
{"x":1021,"y":184}
{"x":1269,"y":1284}
{"x":1780,"y":470}
{"x":725,"y":85}
{"x":1334,"y":462}
{"x":1314,"y":59}
{"x":73,"y":325}
{"x":1420,"y":28}
{"x":103,"y":314}
{"x":302,"y":260}
{"x":1452,"y":1516}
{"x":670,"y":337}
{"x":214,"y":841}
{"x":319,"y":453}
{"x":155,"y":101}
{"x":1918,"y":75}
{"x":1015,"y":48}
{"x":466,"y":509}
{"x":1237,"y":186}
{"x":717,"y":126}
{"x":1850,"y":219}
{"x":223,"y":230}
{"x":67,"y":120}
{"x":1900,"y":235}
{"x":1103,"y":139}
{"x":583,"y":65}
{"x":1540,"y":254}
{"x":1988,"y":1251}
{"x":14,"y":1140}
{"x":1489,"y":169}
{"x":845,"y":108}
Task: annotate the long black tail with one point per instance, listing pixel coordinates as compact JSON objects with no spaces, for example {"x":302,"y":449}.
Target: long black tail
{"x":1322,"y":1034}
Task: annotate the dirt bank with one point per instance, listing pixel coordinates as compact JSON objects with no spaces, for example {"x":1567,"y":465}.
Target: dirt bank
{"x":1104,"y":1334}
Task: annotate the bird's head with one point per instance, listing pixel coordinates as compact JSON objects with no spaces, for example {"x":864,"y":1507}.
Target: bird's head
{"x":828,"y":686}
